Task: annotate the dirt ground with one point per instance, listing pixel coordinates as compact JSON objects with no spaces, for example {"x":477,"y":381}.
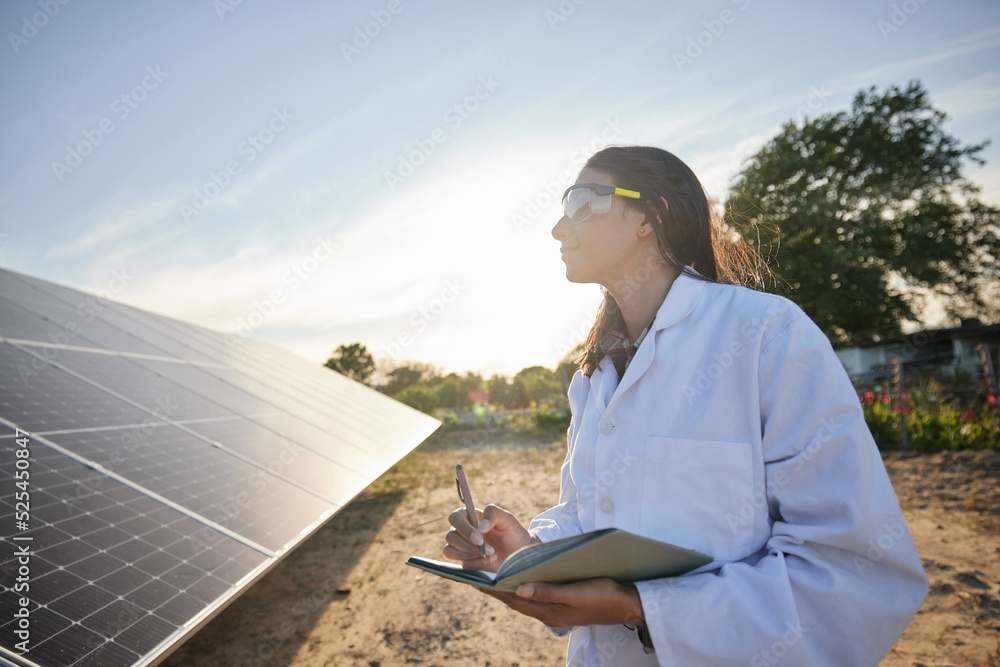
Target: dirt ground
{"x":345,"y":598}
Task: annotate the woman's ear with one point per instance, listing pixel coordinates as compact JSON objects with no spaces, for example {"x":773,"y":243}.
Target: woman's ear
{"x":648,"y":225}
{"x":666,"y":205}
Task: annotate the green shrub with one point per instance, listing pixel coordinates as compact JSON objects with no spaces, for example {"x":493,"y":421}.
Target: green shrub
{"x":935,"y":429}
{"x":552,"y":418}
{"x":419,"y":397}
{"x":884,"y":425}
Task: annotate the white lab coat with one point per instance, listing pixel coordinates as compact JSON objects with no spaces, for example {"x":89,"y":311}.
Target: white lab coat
{"x":736,"y":432}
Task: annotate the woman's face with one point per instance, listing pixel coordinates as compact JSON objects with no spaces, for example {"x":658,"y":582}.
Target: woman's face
{"x":602,"y":248}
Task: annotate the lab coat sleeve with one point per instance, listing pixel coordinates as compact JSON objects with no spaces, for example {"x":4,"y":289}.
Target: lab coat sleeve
{"x":562,"y":520}
{"x":838,"y":579}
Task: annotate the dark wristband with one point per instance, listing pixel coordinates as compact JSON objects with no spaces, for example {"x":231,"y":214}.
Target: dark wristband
{"x":644,"y":636}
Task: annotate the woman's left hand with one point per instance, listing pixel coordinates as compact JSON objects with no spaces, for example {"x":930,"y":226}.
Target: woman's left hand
{"x":592,"y":602}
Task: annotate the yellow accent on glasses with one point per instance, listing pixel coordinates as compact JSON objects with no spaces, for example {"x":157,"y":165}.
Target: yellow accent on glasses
{"x":583,"y":200}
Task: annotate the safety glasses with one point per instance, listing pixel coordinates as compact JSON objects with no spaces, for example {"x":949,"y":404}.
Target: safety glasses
{"x":583,"y":200}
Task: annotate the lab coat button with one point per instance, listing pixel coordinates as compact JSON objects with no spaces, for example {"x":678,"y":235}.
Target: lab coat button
{"x":605,"y":426}
{"x":607,"y":505}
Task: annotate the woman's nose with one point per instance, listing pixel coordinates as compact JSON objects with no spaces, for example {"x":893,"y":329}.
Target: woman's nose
{"x":561,"y":229}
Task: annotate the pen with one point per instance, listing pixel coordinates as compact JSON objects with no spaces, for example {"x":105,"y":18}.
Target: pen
{"x":466,"y":496}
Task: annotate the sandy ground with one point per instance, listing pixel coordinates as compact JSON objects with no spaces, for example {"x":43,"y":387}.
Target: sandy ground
{"x":346,"y":598}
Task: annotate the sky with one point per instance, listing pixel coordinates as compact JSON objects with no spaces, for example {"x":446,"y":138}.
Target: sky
{"x":312,"y":174}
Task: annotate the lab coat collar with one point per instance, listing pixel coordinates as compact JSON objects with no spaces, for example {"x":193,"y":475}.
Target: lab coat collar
{"x":678,"y":304}
{"x":680,"y":300}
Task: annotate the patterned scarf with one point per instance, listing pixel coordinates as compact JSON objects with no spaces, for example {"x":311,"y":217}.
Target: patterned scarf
{"x":616,"y":345}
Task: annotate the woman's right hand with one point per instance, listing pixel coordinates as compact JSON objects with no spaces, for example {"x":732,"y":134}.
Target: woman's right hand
{"x":502,"y":533}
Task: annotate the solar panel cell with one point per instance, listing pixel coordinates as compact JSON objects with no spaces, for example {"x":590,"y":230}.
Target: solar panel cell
{"x":83,"y":601}
{"x":109,"y":654}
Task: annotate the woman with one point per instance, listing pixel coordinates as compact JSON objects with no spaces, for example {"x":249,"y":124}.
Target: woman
{"x":716,"y":418}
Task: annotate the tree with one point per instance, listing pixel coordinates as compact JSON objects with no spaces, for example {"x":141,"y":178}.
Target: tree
{"x":568,"y":366}
{"x":405,"y":375}
{"x":419,"y":397}
{"x":450,"y":391}
{"x":866,"y":210}
{"x":499,"y":389}
{"x":539,"y":384}
{"x":354,"y":361}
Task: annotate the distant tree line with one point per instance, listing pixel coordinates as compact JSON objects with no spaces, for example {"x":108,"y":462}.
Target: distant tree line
{"x":424,"y":387}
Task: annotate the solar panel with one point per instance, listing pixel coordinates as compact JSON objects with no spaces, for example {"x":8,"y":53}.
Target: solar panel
{"x":152,"y":470}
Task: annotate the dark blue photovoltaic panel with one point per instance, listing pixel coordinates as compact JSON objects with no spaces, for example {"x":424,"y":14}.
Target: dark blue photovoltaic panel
{"x":296,"y":401}
{"x":150,"y":329}
{"x":112,"y":572}
{"x":311,"y":391}
{"x":209,"y":382}
{"x":88,"y":309}
{"x":19,"y":291}
{"x":21,"y":324}
{"x":335,"y":481}
{"x":125,"y":377}
{"x":206,"y":480}
{"x":337,"y":446}
{"x":80,"y":324}
{"x":170,"y":467}
{"x":43,"y":398}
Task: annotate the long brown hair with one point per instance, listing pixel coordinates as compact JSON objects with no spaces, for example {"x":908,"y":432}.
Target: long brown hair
{"x":689,"y":232}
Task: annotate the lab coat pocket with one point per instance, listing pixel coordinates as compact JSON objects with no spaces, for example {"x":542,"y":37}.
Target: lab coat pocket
{"x":698,"y":494}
